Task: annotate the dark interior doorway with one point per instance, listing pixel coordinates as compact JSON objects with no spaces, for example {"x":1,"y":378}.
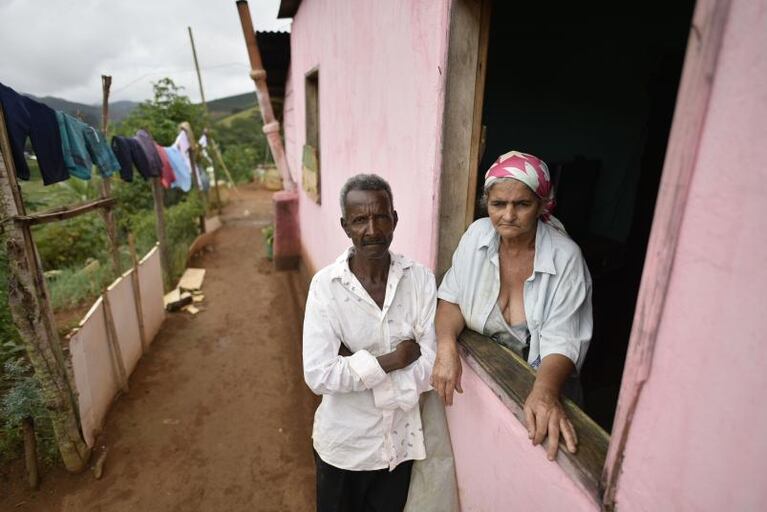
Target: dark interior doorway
{"x":591,"y":90}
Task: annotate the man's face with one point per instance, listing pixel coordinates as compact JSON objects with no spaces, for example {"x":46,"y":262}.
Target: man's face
{"x":369,"y":222}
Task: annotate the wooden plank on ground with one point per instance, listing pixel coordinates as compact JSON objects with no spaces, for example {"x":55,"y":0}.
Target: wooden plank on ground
{"x":192,"y":279}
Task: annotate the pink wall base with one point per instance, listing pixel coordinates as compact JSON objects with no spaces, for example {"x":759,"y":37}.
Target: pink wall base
{"x":287,"y":241}
{"x":497,"y":466}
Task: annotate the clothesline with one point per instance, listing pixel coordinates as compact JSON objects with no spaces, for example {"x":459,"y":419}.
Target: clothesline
{"x":66,"y":147}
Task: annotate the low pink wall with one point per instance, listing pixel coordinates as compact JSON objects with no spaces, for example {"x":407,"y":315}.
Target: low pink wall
{"x":697,"y":441}
{"x":92,"y":362}
{"x":498,"y":469}
{"x":380,"y":86}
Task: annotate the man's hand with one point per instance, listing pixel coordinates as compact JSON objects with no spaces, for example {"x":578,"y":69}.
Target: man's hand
{"x":404,"y":354}
{"x":408,"y":351}
{"x":545,"y":416}
{"x":446,"y":375}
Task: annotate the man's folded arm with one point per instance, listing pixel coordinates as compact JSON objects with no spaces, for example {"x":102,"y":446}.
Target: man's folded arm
{"x":406,"y":385}
{"x":325,"y":371}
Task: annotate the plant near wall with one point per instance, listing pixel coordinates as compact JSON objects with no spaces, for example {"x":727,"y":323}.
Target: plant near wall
{"x":268,"y":234}
{"x":22,"y":408}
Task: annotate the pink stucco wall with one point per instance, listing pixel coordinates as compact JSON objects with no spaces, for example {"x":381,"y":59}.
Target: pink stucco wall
{"x":380,"y":86}
{"x":498,"y":468}
{"x":381,"y":95}
{"x":697,"y":441}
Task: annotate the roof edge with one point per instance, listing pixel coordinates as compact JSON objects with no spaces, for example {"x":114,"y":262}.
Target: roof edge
{"x":288,"y":8}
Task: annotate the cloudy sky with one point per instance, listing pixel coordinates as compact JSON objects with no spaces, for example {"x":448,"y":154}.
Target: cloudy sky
{"x":61,"y":48}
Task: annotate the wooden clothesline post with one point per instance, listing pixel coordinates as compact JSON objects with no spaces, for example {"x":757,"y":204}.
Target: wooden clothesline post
{"x":33,"y":316}
{"x":106,"y":182}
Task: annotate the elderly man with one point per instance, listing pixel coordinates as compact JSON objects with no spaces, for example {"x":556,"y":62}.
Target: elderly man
{"x":369,"y":347}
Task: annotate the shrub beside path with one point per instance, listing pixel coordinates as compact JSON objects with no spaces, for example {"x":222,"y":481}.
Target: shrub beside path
{"x":218,"y":416}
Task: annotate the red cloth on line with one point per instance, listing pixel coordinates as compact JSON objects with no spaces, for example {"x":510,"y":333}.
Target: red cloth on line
{"x":167,"y":177}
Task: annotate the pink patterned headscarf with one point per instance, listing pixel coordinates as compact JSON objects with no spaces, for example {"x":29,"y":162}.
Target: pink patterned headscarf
{"x":533,"y":172}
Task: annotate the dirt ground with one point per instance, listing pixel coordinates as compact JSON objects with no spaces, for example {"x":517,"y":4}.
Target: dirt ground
{"x":218,"y":417}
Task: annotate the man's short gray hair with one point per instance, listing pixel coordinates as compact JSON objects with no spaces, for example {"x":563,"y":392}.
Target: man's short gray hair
{"x":364,"y":182}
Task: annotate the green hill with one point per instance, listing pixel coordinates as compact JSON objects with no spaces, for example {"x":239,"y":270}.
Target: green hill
{"x":242,"y":114}
{"x":223,"y":107}
{"x":90,"y":114}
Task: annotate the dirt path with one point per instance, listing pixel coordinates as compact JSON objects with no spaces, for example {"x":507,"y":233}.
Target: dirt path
{"x":218,"y":417}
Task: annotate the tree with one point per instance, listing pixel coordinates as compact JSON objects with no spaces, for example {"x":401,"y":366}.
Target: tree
{"x":161,"y":115}
{"x":28,"y":298}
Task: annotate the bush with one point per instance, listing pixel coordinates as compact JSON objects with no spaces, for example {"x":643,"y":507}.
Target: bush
{"x":69,"y":243}
{"x":241,"y":160}
{"x":181,"y":228}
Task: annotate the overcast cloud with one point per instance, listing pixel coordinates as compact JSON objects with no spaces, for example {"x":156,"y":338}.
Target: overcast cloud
{"x":61,"y":48}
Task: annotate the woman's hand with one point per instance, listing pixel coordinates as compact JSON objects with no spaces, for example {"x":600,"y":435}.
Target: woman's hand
{"x":446,"y":375}
{"x":545,"y":417}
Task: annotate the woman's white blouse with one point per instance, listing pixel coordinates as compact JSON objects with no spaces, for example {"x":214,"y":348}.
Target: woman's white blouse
{"x":557,"y":296}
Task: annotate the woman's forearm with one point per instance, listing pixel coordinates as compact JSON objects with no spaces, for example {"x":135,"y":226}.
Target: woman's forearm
{"x":553,"y":373}
{"x":448,"y":323}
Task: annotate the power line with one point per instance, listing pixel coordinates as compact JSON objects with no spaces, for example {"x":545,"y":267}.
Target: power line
{"x":175,"y":71}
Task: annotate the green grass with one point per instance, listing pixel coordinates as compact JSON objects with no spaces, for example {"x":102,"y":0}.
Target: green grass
{"x":75,"y":286}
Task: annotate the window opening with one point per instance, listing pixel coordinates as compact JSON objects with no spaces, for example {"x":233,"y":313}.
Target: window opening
{"x":311,"y":153}
{"x":592,"y":92}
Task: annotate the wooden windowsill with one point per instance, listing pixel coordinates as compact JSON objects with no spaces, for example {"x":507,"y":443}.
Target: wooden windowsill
{"x":511,"y":379}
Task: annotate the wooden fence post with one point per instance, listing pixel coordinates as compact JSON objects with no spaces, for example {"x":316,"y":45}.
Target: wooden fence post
{"x":198,"y":185}
{"x":159,"y":211}
{"x":137,"y":291}
{"x":33,"y":317}
{"x":114,"y":344}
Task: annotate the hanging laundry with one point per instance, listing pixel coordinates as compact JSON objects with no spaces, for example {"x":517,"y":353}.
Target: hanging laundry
{"x":180,"y":169}
{"x":203,"y":143}
{"x":130,"y":153}
{"x":149,"y":148}
{"x":27,"y":118}
{"x":122,"y":150}
{"x":182,"y":144}
{"x":168,"y":177}
{"x":83,"y":146}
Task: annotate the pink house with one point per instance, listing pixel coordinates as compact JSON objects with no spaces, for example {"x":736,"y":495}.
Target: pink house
{"x":654,"y":123}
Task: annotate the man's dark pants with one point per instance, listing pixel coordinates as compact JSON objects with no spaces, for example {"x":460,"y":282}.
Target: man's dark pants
{"x":341,"y":490}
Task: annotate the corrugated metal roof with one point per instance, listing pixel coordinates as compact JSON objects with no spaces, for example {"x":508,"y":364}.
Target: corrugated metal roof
{"x":275,"y":56}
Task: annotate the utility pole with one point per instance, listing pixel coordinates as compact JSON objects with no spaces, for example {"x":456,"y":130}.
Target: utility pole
{"x":207,"y":116}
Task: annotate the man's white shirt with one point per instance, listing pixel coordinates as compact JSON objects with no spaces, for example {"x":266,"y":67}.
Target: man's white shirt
{"x":368,"y":419}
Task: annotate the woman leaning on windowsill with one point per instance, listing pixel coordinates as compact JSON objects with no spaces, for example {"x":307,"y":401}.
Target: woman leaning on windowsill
{"x":519,"y":279}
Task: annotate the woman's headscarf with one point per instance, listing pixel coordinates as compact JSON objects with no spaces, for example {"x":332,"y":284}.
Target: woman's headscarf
{"x":533,"y":172}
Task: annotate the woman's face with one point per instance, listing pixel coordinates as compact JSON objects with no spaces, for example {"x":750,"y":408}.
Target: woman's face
{"x":513,"y":209}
